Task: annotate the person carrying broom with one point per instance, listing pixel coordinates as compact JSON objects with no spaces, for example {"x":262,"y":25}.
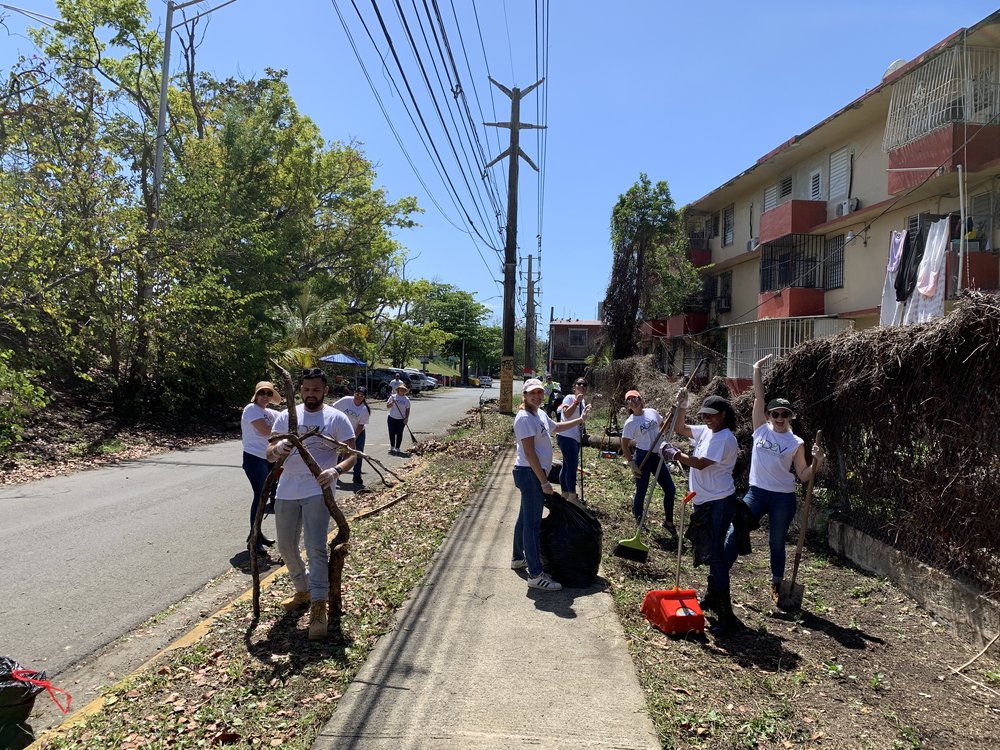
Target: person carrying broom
{"x":776,"y":451}
{"x":712,"y":460}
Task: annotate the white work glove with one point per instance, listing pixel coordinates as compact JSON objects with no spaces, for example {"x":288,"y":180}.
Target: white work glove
{"x":327,"y":477}
{"x":682,"y":398}
{"x":636,"y":471}
{"x":282,"y":448}
{"x":546,"y":488}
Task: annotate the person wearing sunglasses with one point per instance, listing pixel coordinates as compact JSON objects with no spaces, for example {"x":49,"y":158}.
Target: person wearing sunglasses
{"x":711,"y":460}
{"x":640,"y":435}
{"x":569,"y":441}
{"x":776,"y":452}
{"x":255,"y":425}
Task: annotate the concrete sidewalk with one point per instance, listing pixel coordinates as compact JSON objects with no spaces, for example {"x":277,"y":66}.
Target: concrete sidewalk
{"x":479,"y":660}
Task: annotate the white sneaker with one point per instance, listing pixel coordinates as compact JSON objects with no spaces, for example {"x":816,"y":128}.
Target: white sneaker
{"x":544,"y":583}
{"x":518,"y":564}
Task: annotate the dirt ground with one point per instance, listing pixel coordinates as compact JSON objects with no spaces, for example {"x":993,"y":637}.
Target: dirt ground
{"x":860,"y":666}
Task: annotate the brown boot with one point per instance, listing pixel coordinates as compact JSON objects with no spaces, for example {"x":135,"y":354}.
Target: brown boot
{"x":319,"y":620}
{"x":296,"y":601}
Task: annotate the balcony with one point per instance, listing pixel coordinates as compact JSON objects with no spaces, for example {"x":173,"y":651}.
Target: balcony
{"x":699,"y":251}
{"x":675,"y":326}
{"x":791,"y":217}
{"x":790,"y":302}
{"x":943,"y":147}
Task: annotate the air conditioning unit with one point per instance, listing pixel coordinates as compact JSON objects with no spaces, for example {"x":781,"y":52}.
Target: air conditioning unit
{"x":752,"y":243}
{"x":723,"y":304}
{"x":847,"y":206}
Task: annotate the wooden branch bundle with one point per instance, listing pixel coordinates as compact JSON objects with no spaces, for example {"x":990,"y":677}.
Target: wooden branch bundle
{"x":338,"y":547}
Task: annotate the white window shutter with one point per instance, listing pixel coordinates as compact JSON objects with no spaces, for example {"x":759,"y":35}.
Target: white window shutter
{"x":840,"y":173}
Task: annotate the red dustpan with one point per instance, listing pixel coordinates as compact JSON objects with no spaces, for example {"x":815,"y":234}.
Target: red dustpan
{"x":675,"y":611}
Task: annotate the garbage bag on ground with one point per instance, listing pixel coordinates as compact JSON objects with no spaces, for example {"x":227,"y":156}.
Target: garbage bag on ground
{"x":570,"y":543}
{"x":17,"y":697}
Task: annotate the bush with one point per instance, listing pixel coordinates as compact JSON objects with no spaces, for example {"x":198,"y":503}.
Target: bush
{"x":19,"y":397}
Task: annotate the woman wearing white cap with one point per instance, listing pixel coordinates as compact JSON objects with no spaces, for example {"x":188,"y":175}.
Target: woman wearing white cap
{"x":776,"y":451}
{"x":399,"y":414}
{"x":532,"y":430}
{"x":712,"y":461}
{"x":255,"y":425}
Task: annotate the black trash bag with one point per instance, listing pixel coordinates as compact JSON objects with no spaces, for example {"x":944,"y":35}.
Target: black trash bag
{"x":554,"y":472}
{"x":17,"y":698}
{"x":570,"y":541}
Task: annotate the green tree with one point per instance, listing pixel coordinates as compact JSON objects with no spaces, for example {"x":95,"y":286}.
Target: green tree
{"x":650,"y":274}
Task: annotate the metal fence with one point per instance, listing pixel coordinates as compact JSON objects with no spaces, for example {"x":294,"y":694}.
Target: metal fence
{"x":748,"y":342}
{"x":962,"y":84}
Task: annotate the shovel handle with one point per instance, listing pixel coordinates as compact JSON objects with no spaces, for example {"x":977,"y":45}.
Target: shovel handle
{"x":806,"y":506}
{"x":672,"y":422}
{"x":680,"y":539}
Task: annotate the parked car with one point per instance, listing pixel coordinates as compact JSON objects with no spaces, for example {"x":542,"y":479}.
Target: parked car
{"x":432,"y":382}
{"x":485,"y":381}
{"x":380,"y":377}
{"x":418,"y":381}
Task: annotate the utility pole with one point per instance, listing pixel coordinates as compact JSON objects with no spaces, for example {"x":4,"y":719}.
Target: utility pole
{"x":510,"y":250}
{"x":530,"y":327}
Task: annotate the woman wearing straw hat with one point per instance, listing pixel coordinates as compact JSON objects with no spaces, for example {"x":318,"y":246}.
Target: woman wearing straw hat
{"x":256,"y":427}
{"x":399,"y":414}
{"x":776,"y":452}
{"x":532,"y":430}
{"x":712,"y":461}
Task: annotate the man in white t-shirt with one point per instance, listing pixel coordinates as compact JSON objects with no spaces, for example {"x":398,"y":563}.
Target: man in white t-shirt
{"x":299,"y":507}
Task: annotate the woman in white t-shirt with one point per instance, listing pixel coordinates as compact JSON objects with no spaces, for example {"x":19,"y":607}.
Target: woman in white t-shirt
{"x":776,"y":451}
{"x":532,"y":430}
{"x":399,"y":414}
{"x":255,"y":425}
{"x":357,"y":410}
{"x":569,"y":440}
{"x":712,"y":461}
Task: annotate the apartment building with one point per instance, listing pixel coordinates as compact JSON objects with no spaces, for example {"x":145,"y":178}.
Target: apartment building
{"x":799,"y":242}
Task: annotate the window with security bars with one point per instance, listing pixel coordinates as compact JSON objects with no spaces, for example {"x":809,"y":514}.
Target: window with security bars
{"x":915,"y":222}
{"x":577,"y":337}
{"x":792,"y":261}
{"x":728,"y":225}
{"x":833,"y":263}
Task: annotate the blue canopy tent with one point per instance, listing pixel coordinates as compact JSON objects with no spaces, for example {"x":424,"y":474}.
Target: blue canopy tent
{"x":346,"y":360}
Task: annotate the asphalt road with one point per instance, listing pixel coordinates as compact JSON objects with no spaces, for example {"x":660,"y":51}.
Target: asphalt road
{"x":88,"y":557}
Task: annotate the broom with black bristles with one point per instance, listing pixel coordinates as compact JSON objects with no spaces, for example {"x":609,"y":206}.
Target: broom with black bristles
{"x":633,"y":547}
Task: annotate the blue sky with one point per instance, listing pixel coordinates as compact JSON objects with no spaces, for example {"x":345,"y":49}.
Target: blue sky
{"x":690,"y":93}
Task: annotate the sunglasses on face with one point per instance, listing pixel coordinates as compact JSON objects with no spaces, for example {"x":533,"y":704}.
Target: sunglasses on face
{"x":580,"y":385}
{"x":781,"y":414}
{"x":264,"y":392}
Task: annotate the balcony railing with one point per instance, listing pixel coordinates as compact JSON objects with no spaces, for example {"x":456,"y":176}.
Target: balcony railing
{"x":962,"y":84}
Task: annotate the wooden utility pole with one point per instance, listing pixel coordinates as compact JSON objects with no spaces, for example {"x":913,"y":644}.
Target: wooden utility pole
{"x":530,"y":327}
{"x":510,"y":250}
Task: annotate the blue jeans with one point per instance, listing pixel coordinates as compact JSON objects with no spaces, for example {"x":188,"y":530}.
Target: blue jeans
{"x":292,"y":518}
{"x":529,"y":519}
{"x":359,"y":443}
{"x":570,"y":464}
{"x":256,"y":469}
{"x":663,"y":479}
{"x":780,"y":509}
{"x":722,"y":518}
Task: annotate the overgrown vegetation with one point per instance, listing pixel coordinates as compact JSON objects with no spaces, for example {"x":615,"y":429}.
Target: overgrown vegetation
{"x":262,"y":238}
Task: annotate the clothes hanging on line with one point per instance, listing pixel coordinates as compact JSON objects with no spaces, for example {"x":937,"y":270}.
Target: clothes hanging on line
{"x":927,"y":301}
{"x":891,"y":310}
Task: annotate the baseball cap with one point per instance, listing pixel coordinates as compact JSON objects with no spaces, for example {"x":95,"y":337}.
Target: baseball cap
{"x":533,"y":384}
{"x":714,"y":405}
{"x":780,"y":403}
{"x":632,"y":394}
